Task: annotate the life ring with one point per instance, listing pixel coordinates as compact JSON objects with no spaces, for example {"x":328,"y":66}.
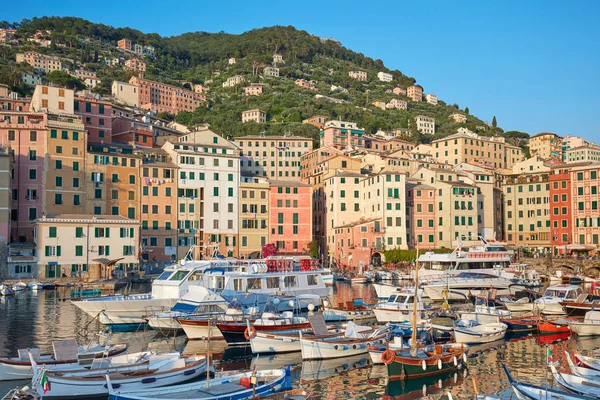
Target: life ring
{"x":249,"y":333}
{"x":388,"y":356}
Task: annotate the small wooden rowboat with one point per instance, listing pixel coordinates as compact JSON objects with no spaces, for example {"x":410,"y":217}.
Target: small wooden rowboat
{"x":523,"y":324}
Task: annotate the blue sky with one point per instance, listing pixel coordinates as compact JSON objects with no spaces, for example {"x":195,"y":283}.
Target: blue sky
{"x":532,"y":64}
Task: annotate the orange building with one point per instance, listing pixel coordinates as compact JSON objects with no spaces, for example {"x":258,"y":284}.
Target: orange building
{"x":290,"y":216}
{"x":158,"y":181}
{"x":160,"y":97}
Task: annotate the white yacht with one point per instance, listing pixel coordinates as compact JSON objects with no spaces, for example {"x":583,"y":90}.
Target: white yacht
{"x":244,"y":283}
{"x":459,"y":287}
{"x":485,"y":258}
{"x":400,"y":307}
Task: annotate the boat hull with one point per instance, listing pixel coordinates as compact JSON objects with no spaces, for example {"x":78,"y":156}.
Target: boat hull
{"x":390,"y":315}
{"x":318,"y":349}
{"x":548,"y":328}
{"x":233,"y":333}
{"x":488,"y":333}
{"x":584,"y":328}
{"x":167,"y":325}
{"x":121,"y":310}
{"x":266,"y":343}
{"x":335,"y":315}
{"x":198,"y":329}
{"x":61,"y":388}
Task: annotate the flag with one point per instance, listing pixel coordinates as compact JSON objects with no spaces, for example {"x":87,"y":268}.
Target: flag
{"x":549,"y":360}
{"x":44,"y":382}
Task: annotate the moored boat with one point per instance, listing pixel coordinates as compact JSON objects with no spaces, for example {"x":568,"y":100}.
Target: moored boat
{"x":6,"y":290}
{"x":527,"y":391}
{"x":576,"y":384}
{"x":161,"y":370}
{"x":237,"y":333}
{"x":482,"y":333}
{"x":523,"y":324}
{"x":236,"y":386}
{"x":19,"y":286}
{"x":590,"y":326}
{"x":424,"y":361}
{"x":582,"y":371}
{"x":548,"y":327}
{"x":67,"y":355}
{"x":353,"y":310}
{"x":400,"y":305}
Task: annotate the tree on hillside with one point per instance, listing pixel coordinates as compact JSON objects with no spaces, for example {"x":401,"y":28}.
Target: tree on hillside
{"x":494,"y":123}
{"x":63,"y":79}
{"x":467,"y":110}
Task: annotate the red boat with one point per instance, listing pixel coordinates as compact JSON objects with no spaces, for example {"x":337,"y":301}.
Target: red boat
{"x":549,"y":327}
{"x":544,"y":340}
{"x":235,"y":333}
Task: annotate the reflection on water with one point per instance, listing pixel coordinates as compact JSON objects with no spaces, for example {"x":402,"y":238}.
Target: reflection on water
{"x":33,"y":319}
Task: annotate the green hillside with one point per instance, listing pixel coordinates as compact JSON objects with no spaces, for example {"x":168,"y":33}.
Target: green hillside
{"x":201,"y":57}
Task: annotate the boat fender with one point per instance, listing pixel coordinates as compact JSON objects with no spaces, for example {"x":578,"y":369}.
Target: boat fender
{"x":424,"y":365}
{"x":354,"y":346}
{"x":464,"y":357}
{"x":336,"y":347}
{"x":380,"y":341}
{"x":388,"y":356}
{"x":455,"y":360}
{"x":249,"y":333}
{"x":439,"y":363}
{"x":424,"y":387}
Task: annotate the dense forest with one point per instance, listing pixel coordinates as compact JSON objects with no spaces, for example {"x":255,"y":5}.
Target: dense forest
{"x":201,"y":57}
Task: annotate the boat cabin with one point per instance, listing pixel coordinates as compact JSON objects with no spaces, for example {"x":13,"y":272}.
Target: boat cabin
{"x":567,"y":292}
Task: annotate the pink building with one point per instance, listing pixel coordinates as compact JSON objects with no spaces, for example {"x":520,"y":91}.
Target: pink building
{"x":399,"y":91}
{"x":25,"y":133}
{"x":421,"y":212}
{"x":415,"y":92}
{"x":96,"y":115}
{"x":341,"y":135}
{"x":290,"y":210}
{"x":354,"y":244}
{"x":304,"y":84}
{"x":124,"y":44}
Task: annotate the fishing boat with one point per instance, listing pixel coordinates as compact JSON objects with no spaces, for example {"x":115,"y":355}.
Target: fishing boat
{"x":589,"y":387}
{"x":590,"y":326}
{"x":237,"y":386}
{"x":400,"y":305}
{"x":355,"y":340}
{"x":359,"y":279}
{"x":418,"y":361}
{"x":375,"y":351}
{"x":583,"y":372}
{"x":549,"y":327}
{"x":67,"y":355}
{"x":469,"y":332}
{"x":528,"y":391}
{"x":160,"y":370}
{"x":283,"y":342}
{"x":550,"y":302}
{"x":198,"y":300}
{"x":353,"y":310}
{"x":580,"y":308}
{"x":247,"y":282}
{"x":383,"y":275}
{"x":238,"y":333}
{"x":6,"y":290}
{"x":523,"y":324}
{"x":485,"y":311}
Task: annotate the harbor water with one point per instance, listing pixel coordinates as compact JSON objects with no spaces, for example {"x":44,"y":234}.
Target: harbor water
{"x":34,"y":319}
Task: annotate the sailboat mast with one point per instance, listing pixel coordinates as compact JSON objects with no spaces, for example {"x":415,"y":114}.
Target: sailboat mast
{"x":414,"y":321}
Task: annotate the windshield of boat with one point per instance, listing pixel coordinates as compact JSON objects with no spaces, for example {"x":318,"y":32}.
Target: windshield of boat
{"x":164,"y":276}
{"x":496,"y":248}
{"x":179,"y":275}
{"x":561,"y":294}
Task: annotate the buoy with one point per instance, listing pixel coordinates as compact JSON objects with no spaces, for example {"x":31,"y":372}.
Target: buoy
{"x":249,"y":333}
{"x":464,"y":357}
{"x":455,"y":360}
{"x":424,"y":390}
{"x":336,"y":347}
{"x":388,"y":356}
{"x":439,"y":363}
{"x":311,"y":307}
{"x":424,"y":365}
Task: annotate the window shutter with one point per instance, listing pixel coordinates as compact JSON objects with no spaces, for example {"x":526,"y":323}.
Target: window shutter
{"x":122,"y":232}
{"x":130,"y":232}
{"x":106,"y":251}
{"x":96,"y":232}
{"x":58,"y":251}
{"x":47,"y":251}
{"x":107,"y":232}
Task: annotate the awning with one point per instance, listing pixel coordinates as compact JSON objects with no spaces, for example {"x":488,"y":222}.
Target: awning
{"x":577,"y":247}
{"x":106,"y":262}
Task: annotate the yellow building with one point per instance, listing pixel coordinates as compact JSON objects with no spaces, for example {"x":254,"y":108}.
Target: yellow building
{"x":253,"y":214}
{"x":546,"y":145}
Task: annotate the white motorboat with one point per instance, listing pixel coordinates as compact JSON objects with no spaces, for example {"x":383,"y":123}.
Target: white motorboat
{"x":549,"y":303}
{"x":6,"y":290}
{"x":524,"y":304}
{"x":161,"y":370}
{"x":19,"y":286}
{"x":327,"y":277}
{"x":385,"y":290}
{"x":460,"y":287}
{"x":485,"y":312}
{"x":354,"y":341}
{"x":486,"y":258}
{"x":375,"y":352}
{"x":248,"y":283}
{"x":198,"y":300}
{"x":283,"y":341}
{"x":237,"y":386}
{"x":384,"y":275}
{"x":590,"y":326}
{"x":469,"y":333}
{"x":67,"y":355}
{"x":399,"y":307}
{"x":359,"y":279}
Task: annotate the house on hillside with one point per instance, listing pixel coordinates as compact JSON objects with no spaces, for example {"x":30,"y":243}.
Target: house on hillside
{"x":255,"y":115}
